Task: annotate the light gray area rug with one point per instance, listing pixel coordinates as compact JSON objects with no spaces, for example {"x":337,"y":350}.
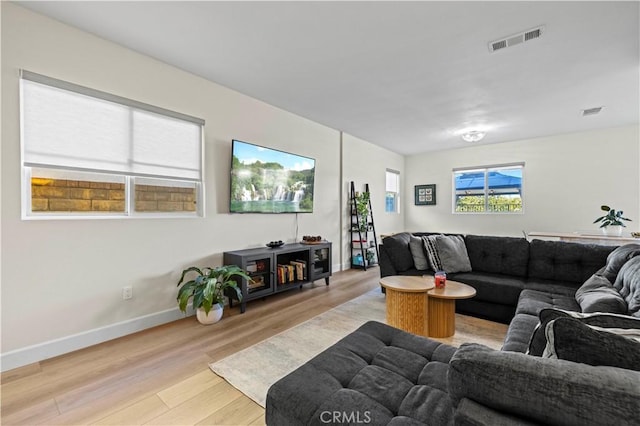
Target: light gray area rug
{"x":288,"y":350}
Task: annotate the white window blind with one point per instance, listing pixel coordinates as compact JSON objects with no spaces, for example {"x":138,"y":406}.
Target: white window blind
{"x":77,"y":128}
{"x":393,"y":181}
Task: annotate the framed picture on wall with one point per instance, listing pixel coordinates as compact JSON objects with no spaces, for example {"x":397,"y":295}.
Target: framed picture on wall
{"x":425,"y":195}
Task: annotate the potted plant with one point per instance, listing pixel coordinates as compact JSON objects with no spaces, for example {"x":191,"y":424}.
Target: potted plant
{"x":611,"y":222}
{"x":362,"y":208}
{"x":207,"y":290}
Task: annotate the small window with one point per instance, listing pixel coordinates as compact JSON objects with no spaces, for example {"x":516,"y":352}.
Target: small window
{"x":496,"y":189}
{"x":87,"y":153}
{"x":391,"y":200}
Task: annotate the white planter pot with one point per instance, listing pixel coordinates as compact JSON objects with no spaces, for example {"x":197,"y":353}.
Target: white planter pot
{"x":214,"y":315}
{"x":612,"y":230}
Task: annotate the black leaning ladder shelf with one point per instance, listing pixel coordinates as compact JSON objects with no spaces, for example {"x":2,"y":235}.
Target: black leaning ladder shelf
{"x":356,"y":231}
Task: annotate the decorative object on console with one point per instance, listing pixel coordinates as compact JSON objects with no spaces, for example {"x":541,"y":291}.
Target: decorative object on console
{"x":425,"y":195}
{"x":308,"y":239}
{"x":208,"y":290}
{"x":274,"y":244}
{"x":612,"y":222}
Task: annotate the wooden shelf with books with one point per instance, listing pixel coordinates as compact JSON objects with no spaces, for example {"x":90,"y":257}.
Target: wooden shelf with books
{"x":273,"y":270}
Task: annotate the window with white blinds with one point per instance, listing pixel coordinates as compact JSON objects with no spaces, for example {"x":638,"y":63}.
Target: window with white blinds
{"x":76,"y":134}
{"x":392,"y":192}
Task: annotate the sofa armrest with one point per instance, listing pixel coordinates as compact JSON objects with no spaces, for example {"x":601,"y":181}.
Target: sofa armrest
{"x":470,"y":413}
{"x":549,"y":391}
{"x":385,"y":263}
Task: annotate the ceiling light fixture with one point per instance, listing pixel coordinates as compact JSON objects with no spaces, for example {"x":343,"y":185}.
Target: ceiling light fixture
{"x":473,"y":136}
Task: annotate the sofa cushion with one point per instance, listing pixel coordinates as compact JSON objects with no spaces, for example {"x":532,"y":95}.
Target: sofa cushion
{"x":538,"y":338}
{"x":617,"y":258}
{"x":430,"y":247}
{"x":544,"y":390}
{"x":419,"y":254}
{"x":498,"y":255}
{"x":551,"y":286}
{"x":453,"y":253}
{"x":519,"y":333}
{"x":394,"y":376}
{"x":568,"y":262}
{"x":570,"y":339}
{"x":398,"y":250}
{"x":496,"y":288}
{"x":532,"y":302}
{"x":598,"y":295}
{"x":628,"y":284}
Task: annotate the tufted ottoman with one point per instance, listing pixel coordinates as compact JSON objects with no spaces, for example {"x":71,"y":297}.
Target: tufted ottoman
{"x":388,"y":375}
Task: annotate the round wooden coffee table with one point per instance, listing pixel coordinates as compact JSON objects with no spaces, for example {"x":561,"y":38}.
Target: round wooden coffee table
{"x":407,"y":302}
{"x":442,"y":307}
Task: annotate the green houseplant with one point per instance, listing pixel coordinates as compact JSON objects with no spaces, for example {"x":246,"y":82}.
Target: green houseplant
{"x":362,"y":208}
{"x":612,"y":221}
{"x":208,"y":290}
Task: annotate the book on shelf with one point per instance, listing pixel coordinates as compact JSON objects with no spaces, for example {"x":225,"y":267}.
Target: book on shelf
{"x":300,"y":269}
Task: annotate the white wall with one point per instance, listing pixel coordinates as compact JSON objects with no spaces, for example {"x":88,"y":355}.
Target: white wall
{"x":365,"y":163}
{"x":567,"y":178}
{"x":62,"y":279}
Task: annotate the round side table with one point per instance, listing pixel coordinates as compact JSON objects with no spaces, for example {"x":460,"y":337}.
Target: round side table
{"x":406,"y":302}
{"x":442,"y":307}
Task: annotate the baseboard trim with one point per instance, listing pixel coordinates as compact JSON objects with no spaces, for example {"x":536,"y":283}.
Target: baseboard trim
{"x":41,"y":351}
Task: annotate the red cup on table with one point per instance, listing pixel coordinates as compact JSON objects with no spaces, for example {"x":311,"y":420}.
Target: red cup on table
{"x":440,"y":279}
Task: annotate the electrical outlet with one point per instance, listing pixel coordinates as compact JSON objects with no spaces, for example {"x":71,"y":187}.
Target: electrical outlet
{"x":127,"y":292}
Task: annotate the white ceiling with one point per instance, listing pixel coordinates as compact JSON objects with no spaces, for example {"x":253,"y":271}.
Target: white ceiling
{"x":408,"y":76}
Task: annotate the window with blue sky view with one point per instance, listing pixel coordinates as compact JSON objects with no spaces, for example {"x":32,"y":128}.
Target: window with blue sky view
{"x":488,"y":189}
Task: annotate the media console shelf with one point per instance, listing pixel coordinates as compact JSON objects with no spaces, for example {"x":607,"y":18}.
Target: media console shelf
{"x":273,"y":270}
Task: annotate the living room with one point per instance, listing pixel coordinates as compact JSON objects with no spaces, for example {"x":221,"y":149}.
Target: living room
{"x":76,"y":269}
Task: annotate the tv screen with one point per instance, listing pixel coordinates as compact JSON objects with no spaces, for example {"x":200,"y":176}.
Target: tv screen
{"x":265,"y":180}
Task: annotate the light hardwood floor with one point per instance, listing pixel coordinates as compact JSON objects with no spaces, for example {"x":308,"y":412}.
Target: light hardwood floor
{"x":161,"y":376}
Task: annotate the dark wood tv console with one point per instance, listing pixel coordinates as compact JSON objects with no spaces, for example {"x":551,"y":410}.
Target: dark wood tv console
{"x":273,"y":270}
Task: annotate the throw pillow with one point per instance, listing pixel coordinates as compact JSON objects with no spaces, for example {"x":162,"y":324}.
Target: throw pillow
{"x":418,"y":252}
{"x":628,"y":284}
{"x":429,"y":242}
{"x":571,"y":340}
{"x":598,"y":295}
{"x":453,"y":253}
{"x":397,"y":246}
{"x":605,"y":320}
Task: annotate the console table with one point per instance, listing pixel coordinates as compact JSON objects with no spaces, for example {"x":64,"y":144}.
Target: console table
{"x":575,"y":237}
{"x":274,"y":270}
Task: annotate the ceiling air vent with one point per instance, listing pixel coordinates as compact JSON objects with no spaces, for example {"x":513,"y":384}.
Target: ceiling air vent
{"x":591,"y":111}
{"x":512,"y":40}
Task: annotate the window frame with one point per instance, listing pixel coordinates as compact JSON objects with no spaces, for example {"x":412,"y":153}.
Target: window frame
{"x":27,"y":212}
{"x":395,"y":193}
{"x":485,"y":191}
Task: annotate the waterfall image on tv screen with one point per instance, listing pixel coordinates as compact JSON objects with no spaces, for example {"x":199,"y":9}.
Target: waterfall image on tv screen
{"x":265,"y":180}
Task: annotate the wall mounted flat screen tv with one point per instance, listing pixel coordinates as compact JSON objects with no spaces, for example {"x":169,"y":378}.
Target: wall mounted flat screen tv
{"x":265,"y":180}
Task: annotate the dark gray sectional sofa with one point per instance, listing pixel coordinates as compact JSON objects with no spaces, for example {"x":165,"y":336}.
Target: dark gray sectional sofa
{"x":514,"y":278}
{"x":554,"y":369}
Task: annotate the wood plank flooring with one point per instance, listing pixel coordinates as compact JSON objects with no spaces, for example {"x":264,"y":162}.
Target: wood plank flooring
{"x":161,"y":376}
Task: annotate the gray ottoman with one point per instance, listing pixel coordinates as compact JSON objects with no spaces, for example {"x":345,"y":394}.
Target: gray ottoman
{"x":377,"y":375}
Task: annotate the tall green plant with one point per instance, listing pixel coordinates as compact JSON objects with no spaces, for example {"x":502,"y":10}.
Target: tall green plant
{"x":209,"y":285}
{"x":612,"y":217}
{"x":362,"y":208}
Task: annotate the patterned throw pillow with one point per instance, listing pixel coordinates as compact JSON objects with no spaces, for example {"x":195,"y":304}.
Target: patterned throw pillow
{"x":432,"y":251}
{"x":538,"y":340}
{"x":571,"y":340}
